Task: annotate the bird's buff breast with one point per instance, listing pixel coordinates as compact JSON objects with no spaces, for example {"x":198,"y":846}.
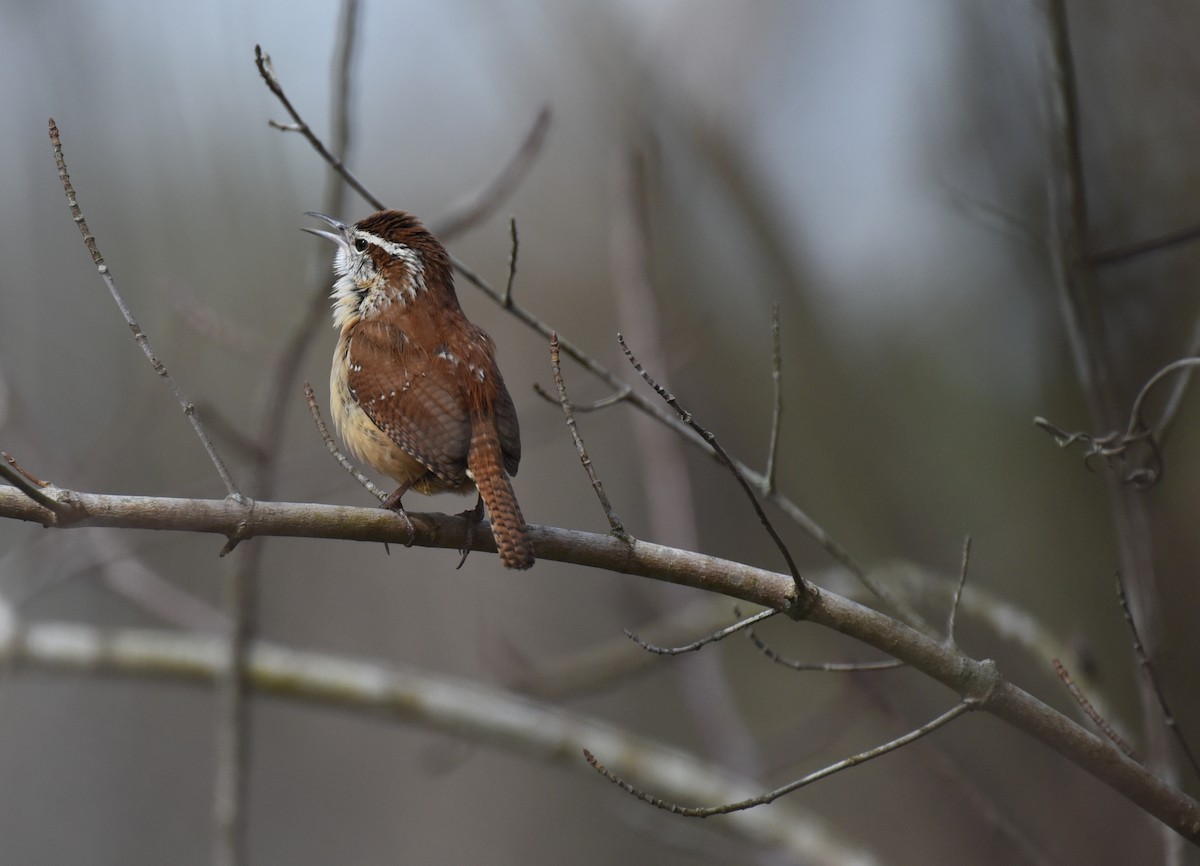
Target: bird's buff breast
{"x":364,"y":440}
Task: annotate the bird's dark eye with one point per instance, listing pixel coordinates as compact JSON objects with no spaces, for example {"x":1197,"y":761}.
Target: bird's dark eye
{"x":361,"y":245}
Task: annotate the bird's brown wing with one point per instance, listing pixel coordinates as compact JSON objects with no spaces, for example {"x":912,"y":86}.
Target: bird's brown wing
{"x":507,"y":428}
{"x":394,"y":385}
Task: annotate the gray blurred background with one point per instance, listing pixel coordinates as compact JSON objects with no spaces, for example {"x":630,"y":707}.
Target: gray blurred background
{"x":876,"y":169}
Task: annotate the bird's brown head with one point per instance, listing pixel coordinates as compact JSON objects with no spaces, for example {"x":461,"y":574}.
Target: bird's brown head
{"x":387,"y":259}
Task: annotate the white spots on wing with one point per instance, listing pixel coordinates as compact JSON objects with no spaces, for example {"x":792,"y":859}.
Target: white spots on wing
{"x":446,"y":355}
{"x":478,"y":372}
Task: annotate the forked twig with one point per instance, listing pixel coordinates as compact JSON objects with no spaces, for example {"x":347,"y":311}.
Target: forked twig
{"x":139,"y":335}
{"x":720,"y":634}
{"x":263,"y":61}
{"x":771,"y":796}
{"x":686,"y":417}
{"x":618,"y":528}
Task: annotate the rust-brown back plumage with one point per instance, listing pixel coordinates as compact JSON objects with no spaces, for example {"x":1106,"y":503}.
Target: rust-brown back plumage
{"x":415,"y":388}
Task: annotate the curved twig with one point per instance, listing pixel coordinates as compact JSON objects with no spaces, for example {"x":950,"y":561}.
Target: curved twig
{"x":771,"y":796}
{"x":720,"y":634}
{"x":478,"y":207}
{"x":823,"y":667}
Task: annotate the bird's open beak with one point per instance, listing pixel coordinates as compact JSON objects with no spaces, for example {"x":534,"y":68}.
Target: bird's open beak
{"x":341,"y":238}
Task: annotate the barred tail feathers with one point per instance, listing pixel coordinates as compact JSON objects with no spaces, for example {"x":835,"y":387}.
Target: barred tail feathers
{"x":485,"y":461}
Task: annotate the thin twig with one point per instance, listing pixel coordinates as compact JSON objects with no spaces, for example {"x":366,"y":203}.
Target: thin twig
{"x":826,"y":667}
{"x":720,"y":634}
{"x":22,"y":471}
{"x":1152,"y":677}
{"x":263,"y":61}
{"x":1092,"y":713}
{"x":613,"y":661}
{"x":768,"y":476}
{"x":512,"y":264}
{"x":618,"y":528}
{"x":771,"y":796}
{"x":29,"y":485}
{"x":341,"y":458}
{"x":1175,"y":398}
{"x":958,"y":590}
{"x":990,"y":215}
{"x":138,"y":334}
{"x":708,"y":437}
{"x":231,"y":436}
{"x":479,"y":206}
{"x":603,"y":403}
{"x":1062,"y":438}
{"x":1143,"y":247}
{"x":1187,"y":365}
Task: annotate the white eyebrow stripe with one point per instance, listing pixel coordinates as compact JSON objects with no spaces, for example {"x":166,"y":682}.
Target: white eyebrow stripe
{"x":406,"y":254}
{"x":389,"y":247}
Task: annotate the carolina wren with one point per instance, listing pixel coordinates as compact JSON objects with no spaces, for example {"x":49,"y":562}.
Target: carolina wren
{"x":415,"y":391}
